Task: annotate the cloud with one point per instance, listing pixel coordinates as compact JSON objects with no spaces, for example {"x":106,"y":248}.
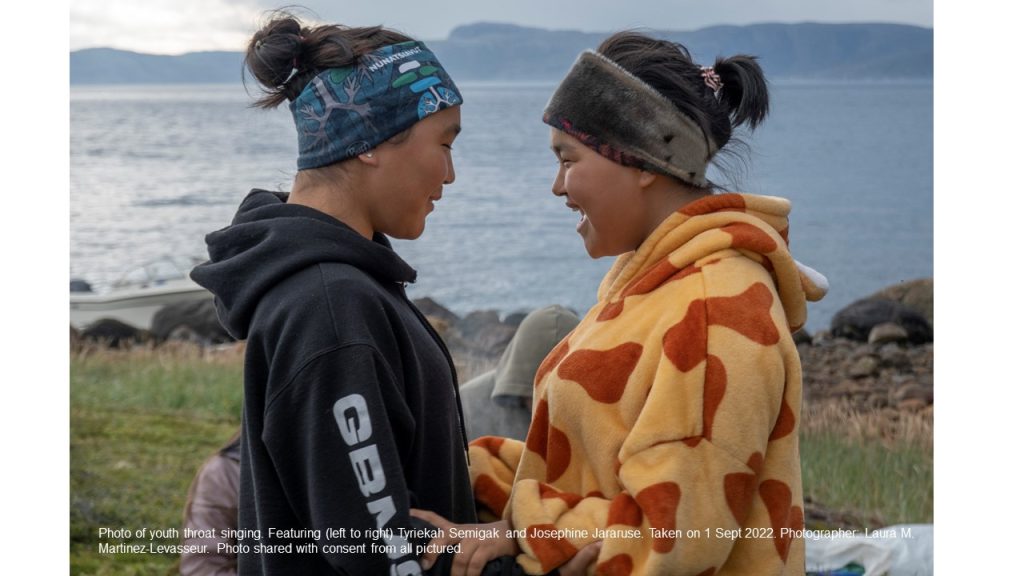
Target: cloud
{"x":161,"y":26}
{"x":175,"y":26}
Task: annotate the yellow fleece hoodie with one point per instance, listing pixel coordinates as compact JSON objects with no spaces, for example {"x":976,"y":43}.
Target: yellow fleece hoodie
{"x":666,"y":423}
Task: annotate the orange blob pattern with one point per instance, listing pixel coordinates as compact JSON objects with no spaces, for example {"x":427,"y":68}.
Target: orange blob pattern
{"x":490,"y":494}
{"x":716,"y":203}
{"x":546,"y":492}
{"x":551,"y":552}
{"x":778,"y":498}
{"x":491,"y":443}
{"x":659,"y":502}
{"x":748,"y":313}
{"x":749,"y":237}
{"x":714,"y":392}
{"x":602,"y":373}
{"x":559,"y":454}
{"x":785,"y":424}
{"x":686,"y":343}
{"x":624,"y":510}
{"x":551,"y":360}
{"x":537,"y":435}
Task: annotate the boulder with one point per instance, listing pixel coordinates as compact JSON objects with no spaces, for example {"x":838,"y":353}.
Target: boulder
{"x":915,"y":294}
{"x":802,"y":337}
{"x":514,"y":319}
{"x":113,"y":333}
{"x":864,"y":366}
{"x":887,"y":332}
{"x":194,"y":321}
{"x":856,"y":320}
{"x":428,"y":307}
{"x":892,"y":355}
{"x":485,"y":331}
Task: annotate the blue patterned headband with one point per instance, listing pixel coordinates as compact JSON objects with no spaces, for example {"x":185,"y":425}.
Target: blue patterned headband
{"x":343,"y":112}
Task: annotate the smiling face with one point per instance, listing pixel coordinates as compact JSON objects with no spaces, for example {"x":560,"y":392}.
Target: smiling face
{"x":412,"y":174}
{"x":608,"y":196}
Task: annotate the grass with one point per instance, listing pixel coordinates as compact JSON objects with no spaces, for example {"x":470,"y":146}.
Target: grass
{"x":143,"y":421}
{"x":868,"y":469}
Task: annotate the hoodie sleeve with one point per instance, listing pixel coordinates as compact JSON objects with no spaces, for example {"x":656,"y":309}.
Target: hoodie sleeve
{"x":331,"y":433}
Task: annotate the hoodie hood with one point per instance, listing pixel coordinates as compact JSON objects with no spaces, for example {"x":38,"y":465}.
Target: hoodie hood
{"x":269,"y":240}
{"x":755,"y":226}
{"x":536,"y":336}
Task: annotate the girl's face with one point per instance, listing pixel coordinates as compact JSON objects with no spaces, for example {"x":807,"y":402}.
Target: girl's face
{"x":607,"y":195}
{"x":413,"y":174}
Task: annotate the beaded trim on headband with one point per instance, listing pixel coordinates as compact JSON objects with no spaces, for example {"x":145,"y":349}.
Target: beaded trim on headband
{"x":626,"y":120}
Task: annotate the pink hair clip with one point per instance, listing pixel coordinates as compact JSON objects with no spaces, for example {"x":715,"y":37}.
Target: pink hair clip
{"x":711,"y":79}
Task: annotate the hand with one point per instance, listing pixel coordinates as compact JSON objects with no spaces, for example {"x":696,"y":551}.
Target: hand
{"x":474,"y":553}
{"x":583,"y":559}
{"x":439,"y":543}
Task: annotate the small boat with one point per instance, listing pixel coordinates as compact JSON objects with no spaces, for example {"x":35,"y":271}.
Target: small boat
{"x":138,"y":295}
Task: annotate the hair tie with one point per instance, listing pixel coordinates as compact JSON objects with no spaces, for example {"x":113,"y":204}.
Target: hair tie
{"x":712,"y":79}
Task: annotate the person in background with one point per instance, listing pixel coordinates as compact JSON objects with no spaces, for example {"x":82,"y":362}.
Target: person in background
{"x":212,"y":504}
{"x":666,"y":425}
{"x":499,"y":402}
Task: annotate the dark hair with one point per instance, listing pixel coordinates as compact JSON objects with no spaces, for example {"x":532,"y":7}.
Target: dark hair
{"x":283,"y":45}
{"x":669,"y":69}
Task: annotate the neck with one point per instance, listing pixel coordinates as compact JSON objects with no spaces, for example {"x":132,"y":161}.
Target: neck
{"x":335,"y":200}
{"x":668,"y":195}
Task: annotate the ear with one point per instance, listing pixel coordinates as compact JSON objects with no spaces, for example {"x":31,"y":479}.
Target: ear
{"x":369,"y":158}
{"x":646,"y":178}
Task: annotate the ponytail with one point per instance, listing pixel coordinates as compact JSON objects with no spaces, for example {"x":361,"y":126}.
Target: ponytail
{"x":744,"y":90}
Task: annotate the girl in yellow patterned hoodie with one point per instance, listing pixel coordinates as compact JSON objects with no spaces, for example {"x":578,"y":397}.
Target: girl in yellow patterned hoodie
{"x":666,"y":424}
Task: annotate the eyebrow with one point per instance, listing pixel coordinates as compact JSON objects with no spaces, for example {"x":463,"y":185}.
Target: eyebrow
{"x":559,"y":148}
{"x":453,"y":129}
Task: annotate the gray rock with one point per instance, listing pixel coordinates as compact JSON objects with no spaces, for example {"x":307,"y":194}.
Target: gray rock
{"x":863,"y":366}
{"x":802,"y":337}
{"x":856,"y":320}
{"x":887,"y":332}
{"x":893,"y":356}
{"x":916,"y":294}
{"x":113,"y":333}
{"x":428,"y":307}
{"x":475,"y":322}
{"x":194,"y":321}
{"x":514,"y":319}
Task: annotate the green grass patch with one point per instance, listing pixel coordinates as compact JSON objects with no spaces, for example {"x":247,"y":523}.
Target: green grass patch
{"x":143,"y":421}
{"x":872,"y":468}
{"x":141,"y":425}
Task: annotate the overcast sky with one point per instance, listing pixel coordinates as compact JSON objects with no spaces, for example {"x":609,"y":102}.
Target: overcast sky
{"x":178,"y":26}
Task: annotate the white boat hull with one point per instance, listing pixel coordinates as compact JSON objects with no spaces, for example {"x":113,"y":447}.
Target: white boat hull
{"x":133,"y":306}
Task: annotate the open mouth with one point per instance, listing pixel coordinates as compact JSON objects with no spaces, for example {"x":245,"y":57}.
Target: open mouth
{"x":583,"y":215}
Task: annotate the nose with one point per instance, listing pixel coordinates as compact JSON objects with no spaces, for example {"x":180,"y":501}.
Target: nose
{"x":451,"y":171}
{"x":558,"y":186}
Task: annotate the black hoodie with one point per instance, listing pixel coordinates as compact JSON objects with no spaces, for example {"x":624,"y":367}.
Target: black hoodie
{"x":351,"y":410}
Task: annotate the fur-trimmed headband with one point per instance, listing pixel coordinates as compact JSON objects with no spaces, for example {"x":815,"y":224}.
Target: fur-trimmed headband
{"x":626,"y":120}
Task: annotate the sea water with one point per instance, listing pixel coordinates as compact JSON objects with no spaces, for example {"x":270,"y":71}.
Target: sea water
{"x":155,"y":168}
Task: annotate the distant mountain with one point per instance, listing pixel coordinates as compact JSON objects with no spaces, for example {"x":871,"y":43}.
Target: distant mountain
{"x":488,"y":51}
{"x":110,"y":66}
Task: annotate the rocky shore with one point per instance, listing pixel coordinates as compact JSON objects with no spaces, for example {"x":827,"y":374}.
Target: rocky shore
{"x":876,"y":357}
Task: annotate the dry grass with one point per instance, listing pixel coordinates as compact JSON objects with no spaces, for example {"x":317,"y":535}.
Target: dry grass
{"x":867,"y":469}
